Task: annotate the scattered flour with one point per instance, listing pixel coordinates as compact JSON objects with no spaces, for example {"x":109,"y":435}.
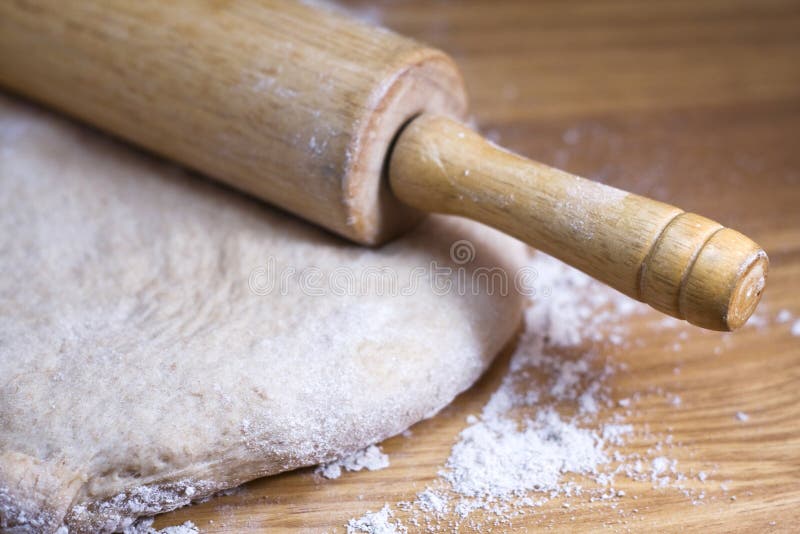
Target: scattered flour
{"x":376,"y":523}
{"x":796,"y":328}
{"x":432,"y":501}
{"x":123,"y":509}
{"x":741,"y":416}
{"x":498,"y":457}
{"x":187,"y":528}
{"x":371,"y":458}
{"x":145,"y":526}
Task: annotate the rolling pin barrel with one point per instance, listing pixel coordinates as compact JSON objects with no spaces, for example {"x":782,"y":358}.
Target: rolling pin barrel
{"x":293,"y":104}
{"x":310,"y":111}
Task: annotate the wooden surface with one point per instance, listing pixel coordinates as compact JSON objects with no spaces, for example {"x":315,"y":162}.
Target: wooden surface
{"x":682,"y":264}
{"x":695,"y":103}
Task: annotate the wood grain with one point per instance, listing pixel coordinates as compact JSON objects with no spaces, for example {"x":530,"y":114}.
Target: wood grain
{"x":693,"y":103}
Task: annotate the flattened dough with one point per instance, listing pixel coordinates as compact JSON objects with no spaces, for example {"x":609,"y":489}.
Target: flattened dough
{"x":144,"y":365}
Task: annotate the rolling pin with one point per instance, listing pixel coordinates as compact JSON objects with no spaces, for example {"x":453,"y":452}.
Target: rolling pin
{"x":356,"y":129}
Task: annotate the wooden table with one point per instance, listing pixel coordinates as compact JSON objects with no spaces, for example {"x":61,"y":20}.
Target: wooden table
{"x":693,"y":102}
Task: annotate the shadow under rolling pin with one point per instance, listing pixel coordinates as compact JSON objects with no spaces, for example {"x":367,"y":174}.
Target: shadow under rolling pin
{"x":308,"y":110}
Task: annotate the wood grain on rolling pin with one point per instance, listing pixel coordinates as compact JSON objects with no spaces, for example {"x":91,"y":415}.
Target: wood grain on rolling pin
{"x":293,"y":104}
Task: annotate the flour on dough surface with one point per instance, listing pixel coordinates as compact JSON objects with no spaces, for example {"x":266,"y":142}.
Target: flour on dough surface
{"x":141,"y":370}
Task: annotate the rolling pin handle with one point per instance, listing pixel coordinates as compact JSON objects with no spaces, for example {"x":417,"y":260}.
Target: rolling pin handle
{"x":680,"y":263}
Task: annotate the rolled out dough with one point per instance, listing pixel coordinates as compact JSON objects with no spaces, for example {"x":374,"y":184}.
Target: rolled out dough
{"x":144,"y":360}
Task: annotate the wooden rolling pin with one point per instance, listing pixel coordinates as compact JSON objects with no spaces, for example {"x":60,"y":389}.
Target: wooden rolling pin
{"x":354,"y":128}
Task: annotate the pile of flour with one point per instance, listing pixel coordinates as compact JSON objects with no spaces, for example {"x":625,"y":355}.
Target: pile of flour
{"x":379,"y":522}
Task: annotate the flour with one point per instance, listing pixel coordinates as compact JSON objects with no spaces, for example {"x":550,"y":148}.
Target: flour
{"x":371,"y":458}
{"x":783,"y":316}
{"x":499,"y":458}
{"x":786,"y":316}
{"x":187,"y":528}
{"x":376,"y":523}
{"x":144,"y":526}
{"x":432,"y":501}
{"x":122,"y":509}
{"x":796,"y":328}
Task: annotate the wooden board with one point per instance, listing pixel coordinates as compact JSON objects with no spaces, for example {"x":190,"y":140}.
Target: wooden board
{"x":694,"y":103}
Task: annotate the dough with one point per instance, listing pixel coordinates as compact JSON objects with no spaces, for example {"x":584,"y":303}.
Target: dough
{"x":144,"y":360}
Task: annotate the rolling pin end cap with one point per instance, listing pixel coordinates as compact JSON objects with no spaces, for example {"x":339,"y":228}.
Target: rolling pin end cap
{"x":724,"y":285}
{"x":747,"y":292}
